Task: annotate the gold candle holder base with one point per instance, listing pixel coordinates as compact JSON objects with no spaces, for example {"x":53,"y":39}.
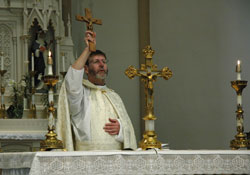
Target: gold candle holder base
{"x":149,"y":141}
{"x":3,"y":112}
{"x":51,"y":141}
{"x":240,"y":141}
{"x":32,"y":111}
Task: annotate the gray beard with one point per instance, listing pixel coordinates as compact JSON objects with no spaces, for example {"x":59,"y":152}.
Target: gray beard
{"x":98,"y":76}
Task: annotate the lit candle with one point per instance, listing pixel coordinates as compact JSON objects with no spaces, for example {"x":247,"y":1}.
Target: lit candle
{"x":2,"y":61}
{"x":50,"y":62}
{"x":238,"y":70}
{"x":32,"y":62}
{"x":63,"y":62}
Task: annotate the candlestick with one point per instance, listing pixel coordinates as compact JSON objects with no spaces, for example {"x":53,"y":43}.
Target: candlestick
{"x":32,"y":111}
{"x":63,"y":62}
{"x":2,"y":61}
{"x":239,"y":100}
{"x":238,"y":70}
{"x":2,"y":108}
{"x":32,"y":62}
{"x":51,"y":141}
{"x":240,"y":140}
{"x":51,"y":96}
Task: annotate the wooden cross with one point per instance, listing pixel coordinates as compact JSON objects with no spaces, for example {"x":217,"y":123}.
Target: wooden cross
{"x":149,"y":73}
{"x":89,"y":23}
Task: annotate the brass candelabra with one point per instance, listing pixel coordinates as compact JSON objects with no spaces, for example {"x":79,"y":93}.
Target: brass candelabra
{"x":51,"y":141}
{"x":149,"y":73}
{"x":240,"y":140}
{"x":2,"y":108}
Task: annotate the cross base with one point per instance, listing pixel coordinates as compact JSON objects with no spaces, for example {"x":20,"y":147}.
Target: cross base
{"x":149,"y":141}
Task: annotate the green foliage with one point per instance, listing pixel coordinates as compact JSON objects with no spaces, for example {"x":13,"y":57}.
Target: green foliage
{"x":20,"y":91}
{"x":15,"y":110}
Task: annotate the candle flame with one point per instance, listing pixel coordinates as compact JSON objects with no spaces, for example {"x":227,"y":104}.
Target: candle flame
{"x":49,"y":53}
{"x":238,"y":62}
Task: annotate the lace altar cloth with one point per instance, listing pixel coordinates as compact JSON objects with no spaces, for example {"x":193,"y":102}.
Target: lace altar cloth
{"x":142,"y":162}
{"x":17,"y":135}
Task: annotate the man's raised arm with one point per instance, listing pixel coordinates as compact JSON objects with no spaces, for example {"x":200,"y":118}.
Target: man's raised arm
{"x":80,"y":62}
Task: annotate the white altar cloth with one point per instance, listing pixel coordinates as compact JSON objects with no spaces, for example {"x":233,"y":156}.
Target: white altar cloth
{"x":142,"y":162}
{"x":17,"y":135}
{"x":130,"y":162}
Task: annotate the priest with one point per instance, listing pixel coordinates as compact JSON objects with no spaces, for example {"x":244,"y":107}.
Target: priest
{"x":96,"y":114}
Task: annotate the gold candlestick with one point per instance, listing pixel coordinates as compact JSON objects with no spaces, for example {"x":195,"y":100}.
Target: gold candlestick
{"x":32,"y":111}
{"x":149,"y":73}
{"x":240,"y":140}
{"x":51,"y":141}
{"x":2,"y":109}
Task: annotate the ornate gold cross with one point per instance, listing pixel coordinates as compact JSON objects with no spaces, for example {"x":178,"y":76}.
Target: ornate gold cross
{"x":89,"y":23}
{"x":149,"y":73}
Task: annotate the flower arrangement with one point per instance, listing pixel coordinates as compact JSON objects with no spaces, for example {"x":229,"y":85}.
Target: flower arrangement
{"x":19,"y":92}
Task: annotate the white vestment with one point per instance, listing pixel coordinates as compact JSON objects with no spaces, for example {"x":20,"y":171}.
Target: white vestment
{"x":90,"y":107}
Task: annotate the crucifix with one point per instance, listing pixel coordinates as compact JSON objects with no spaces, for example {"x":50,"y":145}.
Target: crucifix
{"x":149,"y":73}
{"x":89,"y":23}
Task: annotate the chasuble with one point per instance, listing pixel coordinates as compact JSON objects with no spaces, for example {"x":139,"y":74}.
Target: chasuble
{"x":86,"y":108}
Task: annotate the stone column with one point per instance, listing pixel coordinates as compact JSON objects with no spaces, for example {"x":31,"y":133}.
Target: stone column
{"x":58,"y":56}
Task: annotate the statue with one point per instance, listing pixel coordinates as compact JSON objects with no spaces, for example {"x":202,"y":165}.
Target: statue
{"x":39,"y":48}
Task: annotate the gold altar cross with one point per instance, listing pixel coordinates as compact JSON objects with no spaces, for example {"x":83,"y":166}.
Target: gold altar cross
{"x":89,"y":23}
{"x":149,"y":73}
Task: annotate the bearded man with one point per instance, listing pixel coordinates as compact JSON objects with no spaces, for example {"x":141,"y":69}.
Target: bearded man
{"x":98,"y":116}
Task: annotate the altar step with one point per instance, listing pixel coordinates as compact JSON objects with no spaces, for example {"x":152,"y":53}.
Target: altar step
{"x":18,"y":135}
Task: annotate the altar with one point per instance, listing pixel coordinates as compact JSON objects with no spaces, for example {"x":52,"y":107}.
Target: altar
{"x":129,"y":162}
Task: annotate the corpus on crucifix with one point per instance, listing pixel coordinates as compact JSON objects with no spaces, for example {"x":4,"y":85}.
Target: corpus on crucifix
{"x":149,"y":73}
{"x":89,"y":23}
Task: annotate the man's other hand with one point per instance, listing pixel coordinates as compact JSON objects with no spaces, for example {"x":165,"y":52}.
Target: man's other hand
{"x":113,"y":127}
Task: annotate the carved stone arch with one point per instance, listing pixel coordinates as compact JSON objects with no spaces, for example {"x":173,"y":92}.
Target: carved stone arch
{"x":7,"y":46}
{"x":35,"y":14}
{"x":53,"y":23}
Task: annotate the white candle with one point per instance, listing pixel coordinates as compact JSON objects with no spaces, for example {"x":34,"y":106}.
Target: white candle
{"x":32,"y":62}
{"x":50,"y":72}
{"x":238,"y":70}
{"x":2,"y":62}
{"x":63,"y":63}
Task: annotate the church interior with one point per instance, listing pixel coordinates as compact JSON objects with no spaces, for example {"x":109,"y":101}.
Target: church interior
{"x":205,"y":44}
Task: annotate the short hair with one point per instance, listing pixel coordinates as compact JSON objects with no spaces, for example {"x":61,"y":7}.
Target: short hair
{"x":97,"y":52}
